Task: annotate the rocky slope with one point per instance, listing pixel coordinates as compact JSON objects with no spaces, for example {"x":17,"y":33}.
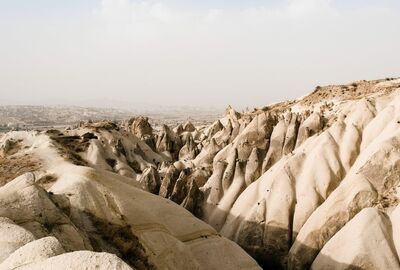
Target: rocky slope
{"x":309,"y":183}
{"x":76,"y":202}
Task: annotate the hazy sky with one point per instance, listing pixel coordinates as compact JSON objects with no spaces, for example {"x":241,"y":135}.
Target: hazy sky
{"x":181,"y":52}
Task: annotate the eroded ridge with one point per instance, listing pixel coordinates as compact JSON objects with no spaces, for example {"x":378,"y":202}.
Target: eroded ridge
{"x":309,"y":183}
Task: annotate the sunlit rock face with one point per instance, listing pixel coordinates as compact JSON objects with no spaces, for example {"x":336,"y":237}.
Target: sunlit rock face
{"x":88,"y":206}
{"x":310,"y":167}
{"x":310,"y":183}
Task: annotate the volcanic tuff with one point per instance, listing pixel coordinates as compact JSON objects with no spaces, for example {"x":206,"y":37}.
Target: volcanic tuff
{"x":310,"y":183}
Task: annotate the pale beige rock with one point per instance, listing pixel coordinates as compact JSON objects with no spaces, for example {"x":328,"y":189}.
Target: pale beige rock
{"x":79,"y":260}
{"x":370,"y":244}
{"x":29,"y":205}
{"x":308,"y":128}
{"x":148,"y":216}
{"x":168,"y":141}
{"x":189,"y":127}
{"x":277,"y":141}
{"x":140,"y":126}
{"x":35,"y":251}
{"x":206,"y":156}
{"x":213,"y":129}
{"x":12,"y":237}
{"x":189,"y":151}
{"x":150,"y":180}
{"x":309,"y":193}
{"x":287,"y":182}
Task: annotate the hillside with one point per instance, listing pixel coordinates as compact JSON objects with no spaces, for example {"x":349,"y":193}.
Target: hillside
{"x":309,"y":183}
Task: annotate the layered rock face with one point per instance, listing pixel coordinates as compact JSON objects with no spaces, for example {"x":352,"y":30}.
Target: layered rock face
{"x":309,"y":183}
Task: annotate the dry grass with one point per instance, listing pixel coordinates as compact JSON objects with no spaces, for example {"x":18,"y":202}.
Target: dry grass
{"x":12,"y":166}
{"x":354,"y":90}
{"x":70,"y":146}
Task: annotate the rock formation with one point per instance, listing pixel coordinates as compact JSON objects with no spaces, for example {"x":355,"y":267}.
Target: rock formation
{"x":98,"y":210}
{"x":310,"y":183}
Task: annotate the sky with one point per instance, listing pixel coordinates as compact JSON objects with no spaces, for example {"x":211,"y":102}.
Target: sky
{"x":207,"y":53}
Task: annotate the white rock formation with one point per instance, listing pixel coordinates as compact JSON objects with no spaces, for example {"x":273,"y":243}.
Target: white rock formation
{"x":33,"y":252}
{"x":93,"y":207}
{"x":306,"y":183}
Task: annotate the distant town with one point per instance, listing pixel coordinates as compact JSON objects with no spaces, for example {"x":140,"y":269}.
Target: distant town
{"x":22,"y":117}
